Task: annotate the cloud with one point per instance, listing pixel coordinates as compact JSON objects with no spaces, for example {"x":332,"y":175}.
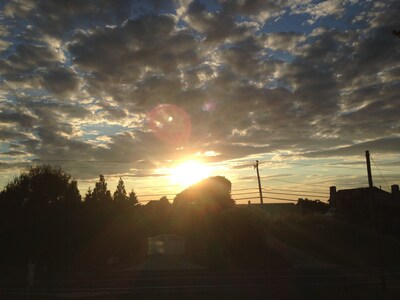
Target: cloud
{"x":11,"y":134}
{"x":26,"y":59}
{"x":18,"y":8}
{"x":13,"y":153}
{"x":56,"y":19}
{"x":336,"y":8}
{"x":285,"y":41}
{"x":379,"y":146}
{"x":23,"y":120}
{"x":80,"y":77}
{"x":61,"y":81}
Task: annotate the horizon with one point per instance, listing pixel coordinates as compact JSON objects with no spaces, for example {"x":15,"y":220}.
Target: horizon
{"x":280,"y":191}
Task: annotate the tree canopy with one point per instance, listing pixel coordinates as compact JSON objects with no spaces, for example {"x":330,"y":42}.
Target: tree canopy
{"x":41,"y":185}
{"x":120,"y":192}
{"x":213,"y":194}
{"x":132,"y":198}
{"x":100,"y":192}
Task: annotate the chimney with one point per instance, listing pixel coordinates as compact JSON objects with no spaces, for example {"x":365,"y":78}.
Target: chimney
{"x":332,"y":191}
{"x":332,"y":194}
{"x":395,"y":190}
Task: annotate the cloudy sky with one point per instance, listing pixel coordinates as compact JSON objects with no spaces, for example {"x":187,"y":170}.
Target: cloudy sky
{"x":133,"y":88}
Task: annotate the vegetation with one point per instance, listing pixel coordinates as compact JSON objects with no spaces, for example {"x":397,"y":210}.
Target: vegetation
{"x":41,"y":186}
{"x":120,"y":193}
{"x":43,"y":219}
{"x":100,"y":193}
{"x":42,"y":225}
{"x":132,"y":198}
{"x":212,"y":195}
{"x":312,"y":206}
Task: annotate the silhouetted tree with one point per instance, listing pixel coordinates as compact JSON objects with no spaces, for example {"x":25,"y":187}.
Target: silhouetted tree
{"x":120,"y":193}
{"x":40,"y":186}
{"x":196,"y":214}
{"x":312,"y":206}
{"x":133,"y":199}
{"x":89,"y":196}
{"x":212,"y":194}
{"x":164,"y":200}
{"x":100,"y":192}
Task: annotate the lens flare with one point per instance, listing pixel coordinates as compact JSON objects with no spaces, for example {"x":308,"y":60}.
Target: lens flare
{"x":209,"y":105}
{"x":170,"y":123}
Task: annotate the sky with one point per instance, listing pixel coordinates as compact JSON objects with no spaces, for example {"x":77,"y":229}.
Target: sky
{"x":133,"y":89}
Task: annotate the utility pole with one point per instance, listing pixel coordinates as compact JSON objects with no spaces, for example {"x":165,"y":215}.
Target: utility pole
{"x":259,"y":182}
{"x":370,"y":183}
{"x":376,"y":221}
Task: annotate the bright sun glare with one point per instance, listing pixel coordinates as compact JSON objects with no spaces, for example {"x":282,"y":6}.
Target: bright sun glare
{"x":189,"y":173}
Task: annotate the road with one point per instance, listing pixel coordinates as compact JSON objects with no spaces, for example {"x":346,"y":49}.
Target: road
{"x":297,"y":283}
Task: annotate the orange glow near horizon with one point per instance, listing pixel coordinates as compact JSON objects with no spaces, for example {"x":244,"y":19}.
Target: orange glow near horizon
{"x":189,"y":172}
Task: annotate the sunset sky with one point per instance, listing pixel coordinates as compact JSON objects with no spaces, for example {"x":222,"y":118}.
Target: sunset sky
{"x":133,"y":89}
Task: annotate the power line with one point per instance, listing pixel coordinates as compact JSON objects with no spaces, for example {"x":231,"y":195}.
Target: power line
{"x":299,"y":195}
{"x":273,"y":198}
{"x":295,"y":171}
{"x":246,"y":198}
{"x":282,"y":199}
{"x":301,"y":191}
{"x":246,"y":193}
{"x":234,"y":194}
{"x":380,"y":173}
{"x":244,"y":189}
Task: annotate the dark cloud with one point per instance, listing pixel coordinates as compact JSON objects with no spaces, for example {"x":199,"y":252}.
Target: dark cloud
{"x":222,"y":24}
{"x":139,"y":54}
{"x":58,"y":18}
{"x":13,"y":153}
{"x":7,"y":134}
{"x":26,"y":59}
{"x":149,"y":41}
{"x":214,"y":26}
{"x":61,"y":81}
{"x":314,"y":88}
{"x":244,"y":57}
{"x":23,"y":120}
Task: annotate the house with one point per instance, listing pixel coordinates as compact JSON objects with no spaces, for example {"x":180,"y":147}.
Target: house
{"x":362,"y":193}
{"x":367,"y":205}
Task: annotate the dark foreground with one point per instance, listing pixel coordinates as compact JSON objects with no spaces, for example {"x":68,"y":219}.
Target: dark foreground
{"x":332,"y":283}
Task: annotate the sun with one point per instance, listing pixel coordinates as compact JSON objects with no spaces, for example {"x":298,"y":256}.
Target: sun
{"x":189,"y":173}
